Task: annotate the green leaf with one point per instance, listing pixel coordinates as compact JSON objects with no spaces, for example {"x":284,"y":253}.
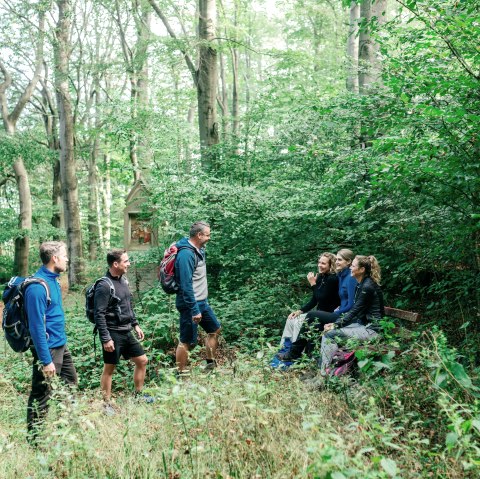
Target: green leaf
{"x":451,"y":439}
{"x":389,"y":466}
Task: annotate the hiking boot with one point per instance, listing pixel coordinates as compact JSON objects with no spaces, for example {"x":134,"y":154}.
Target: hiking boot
{"x":318,"y":383}
{"x":308,"y":376}
{"x":209,"y":367}
{"x":108,"y":410}
{"x":185,"y":374}
{"x":286,"y":356}
{"x":146,"y":398}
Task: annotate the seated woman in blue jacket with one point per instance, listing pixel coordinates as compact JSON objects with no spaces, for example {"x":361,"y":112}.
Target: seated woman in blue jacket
{"x":362,"y":321}
{"x":317,"y":319}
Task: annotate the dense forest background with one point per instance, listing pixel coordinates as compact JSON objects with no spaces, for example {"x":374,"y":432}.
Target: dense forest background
{"x":292,"y":127}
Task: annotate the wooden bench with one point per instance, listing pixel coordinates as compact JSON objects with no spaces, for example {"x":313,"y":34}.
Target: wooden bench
{"x":382,"y":349}
{"x":401,"y":314}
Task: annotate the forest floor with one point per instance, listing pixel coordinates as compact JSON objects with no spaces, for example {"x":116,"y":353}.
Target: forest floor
{"x":243,"y":421}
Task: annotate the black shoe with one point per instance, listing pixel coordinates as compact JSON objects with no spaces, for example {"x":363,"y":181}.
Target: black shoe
{"x":285,"y":356}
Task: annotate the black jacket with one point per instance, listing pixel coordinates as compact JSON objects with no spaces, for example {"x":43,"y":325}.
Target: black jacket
{"x":113,"y":313}
{"x":368,"y":307}
{"x":325,"y":294}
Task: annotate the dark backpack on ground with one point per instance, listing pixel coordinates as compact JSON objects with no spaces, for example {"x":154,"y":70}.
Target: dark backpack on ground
{"x":15,"y":320}
{"x":90,"y":297}
{"x":343,"y":362}
{"x":166,"y":271}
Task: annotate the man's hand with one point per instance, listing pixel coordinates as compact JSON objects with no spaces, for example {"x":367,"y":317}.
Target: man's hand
{"x":329,"y":327}
{"x":109,"y":346}
{"x":197,"y":318}
{"x":49,"y":370}
{"x":139,"y":332}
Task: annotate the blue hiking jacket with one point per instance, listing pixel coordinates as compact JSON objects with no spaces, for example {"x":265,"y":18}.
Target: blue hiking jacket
{"x":36,"y":308}
{"x":346,"y":290}
{"x":184,"y":268}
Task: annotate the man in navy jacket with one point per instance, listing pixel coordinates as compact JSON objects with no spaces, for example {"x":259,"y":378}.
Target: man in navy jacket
{"x":192,"y":297}
{"x":47,"y":328}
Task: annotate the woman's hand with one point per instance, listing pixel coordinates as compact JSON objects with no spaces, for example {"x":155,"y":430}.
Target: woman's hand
{"x":329,"y":327}
{"x":294,"y":314}
{"x":312,"y":278}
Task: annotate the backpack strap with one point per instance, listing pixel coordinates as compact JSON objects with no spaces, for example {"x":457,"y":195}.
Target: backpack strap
{"x":35,"y":279}
{"x":195,"y":256}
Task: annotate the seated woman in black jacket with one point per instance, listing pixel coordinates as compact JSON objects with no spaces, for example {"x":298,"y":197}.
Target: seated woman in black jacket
{"x":362,"y":321}
{"x":324,"y":298}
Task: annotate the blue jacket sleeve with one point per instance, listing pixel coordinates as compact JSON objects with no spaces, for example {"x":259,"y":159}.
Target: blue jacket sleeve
{"x":36,"y":307}
{"x":351,"y":285}
{"x":185,"y":265}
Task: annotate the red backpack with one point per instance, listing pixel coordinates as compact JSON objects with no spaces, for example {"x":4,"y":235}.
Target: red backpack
{"x":166,"y":271}
{"x":343,"y":362}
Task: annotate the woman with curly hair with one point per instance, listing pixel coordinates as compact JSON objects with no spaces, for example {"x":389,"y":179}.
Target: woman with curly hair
{"x":324,"y":298}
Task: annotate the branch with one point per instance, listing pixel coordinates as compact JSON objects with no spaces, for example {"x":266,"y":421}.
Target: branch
{"x":27,"y":93}
{"x":170,"y":31}
{"x":3,"y":88}
{"x":450,"y":45}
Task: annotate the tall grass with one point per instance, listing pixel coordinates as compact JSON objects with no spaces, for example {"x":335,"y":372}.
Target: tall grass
{"x":241,"y":422}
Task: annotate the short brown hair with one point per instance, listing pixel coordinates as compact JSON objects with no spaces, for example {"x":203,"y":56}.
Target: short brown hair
{"x":50,"y":249}
{"x":114,"y":255}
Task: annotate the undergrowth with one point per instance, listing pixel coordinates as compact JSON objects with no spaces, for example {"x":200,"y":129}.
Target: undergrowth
{"x":412,"y":410}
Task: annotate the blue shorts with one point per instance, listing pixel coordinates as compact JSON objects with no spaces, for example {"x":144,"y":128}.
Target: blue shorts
{"x":189,"y":329}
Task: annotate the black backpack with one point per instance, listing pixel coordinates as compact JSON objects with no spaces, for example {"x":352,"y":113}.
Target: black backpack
{"x":15,"y":320}
{"x":90,"y":297}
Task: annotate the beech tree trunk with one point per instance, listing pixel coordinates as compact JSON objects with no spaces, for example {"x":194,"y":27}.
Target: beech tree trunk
{"x":67,"y":156}
{"x":352,"y":48}
{"x":50,"y":116}
{"x":207,"y":82}
{"x":93,"y":230}
{"x":205,"y":76}
{"x":22,"y":242}
{"x":370,"y":68}
{"x":136,"y":62}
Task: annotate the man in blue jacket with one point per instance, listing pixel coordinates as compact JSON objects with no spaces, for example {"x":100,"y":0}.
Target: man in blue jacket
{"x":192,"y":296}
{"x":47,"y":328}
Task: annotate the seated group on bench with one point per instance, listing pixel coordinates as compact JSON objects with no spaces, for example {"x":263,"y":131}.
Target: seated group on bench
{"x":349,"y":304}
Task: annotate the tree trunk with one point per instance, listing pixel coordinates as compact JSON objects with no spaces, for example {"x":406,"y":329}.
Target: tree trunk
{"x":58,"y":217}
{"x":67,"y":157}
{"x":352,"y":48}
{"x":137,"y":69}
{"x":93,"y":231}
{"x":10,"y":119}
{"x":50,"y":116}
{"x":22,"y":243}
{"x":107,"y":201}
{"x":207,"y":83}
{"x":370,"y":68}
{"x":224,"y":100}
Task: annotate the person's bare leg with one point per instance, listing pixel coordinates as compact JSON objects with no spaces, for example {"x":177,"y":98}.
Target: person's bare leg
{"x":181,"y":356}
{"x":140,"y":371}
{"x":211,"y":344}
{"x":106,"y":381}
